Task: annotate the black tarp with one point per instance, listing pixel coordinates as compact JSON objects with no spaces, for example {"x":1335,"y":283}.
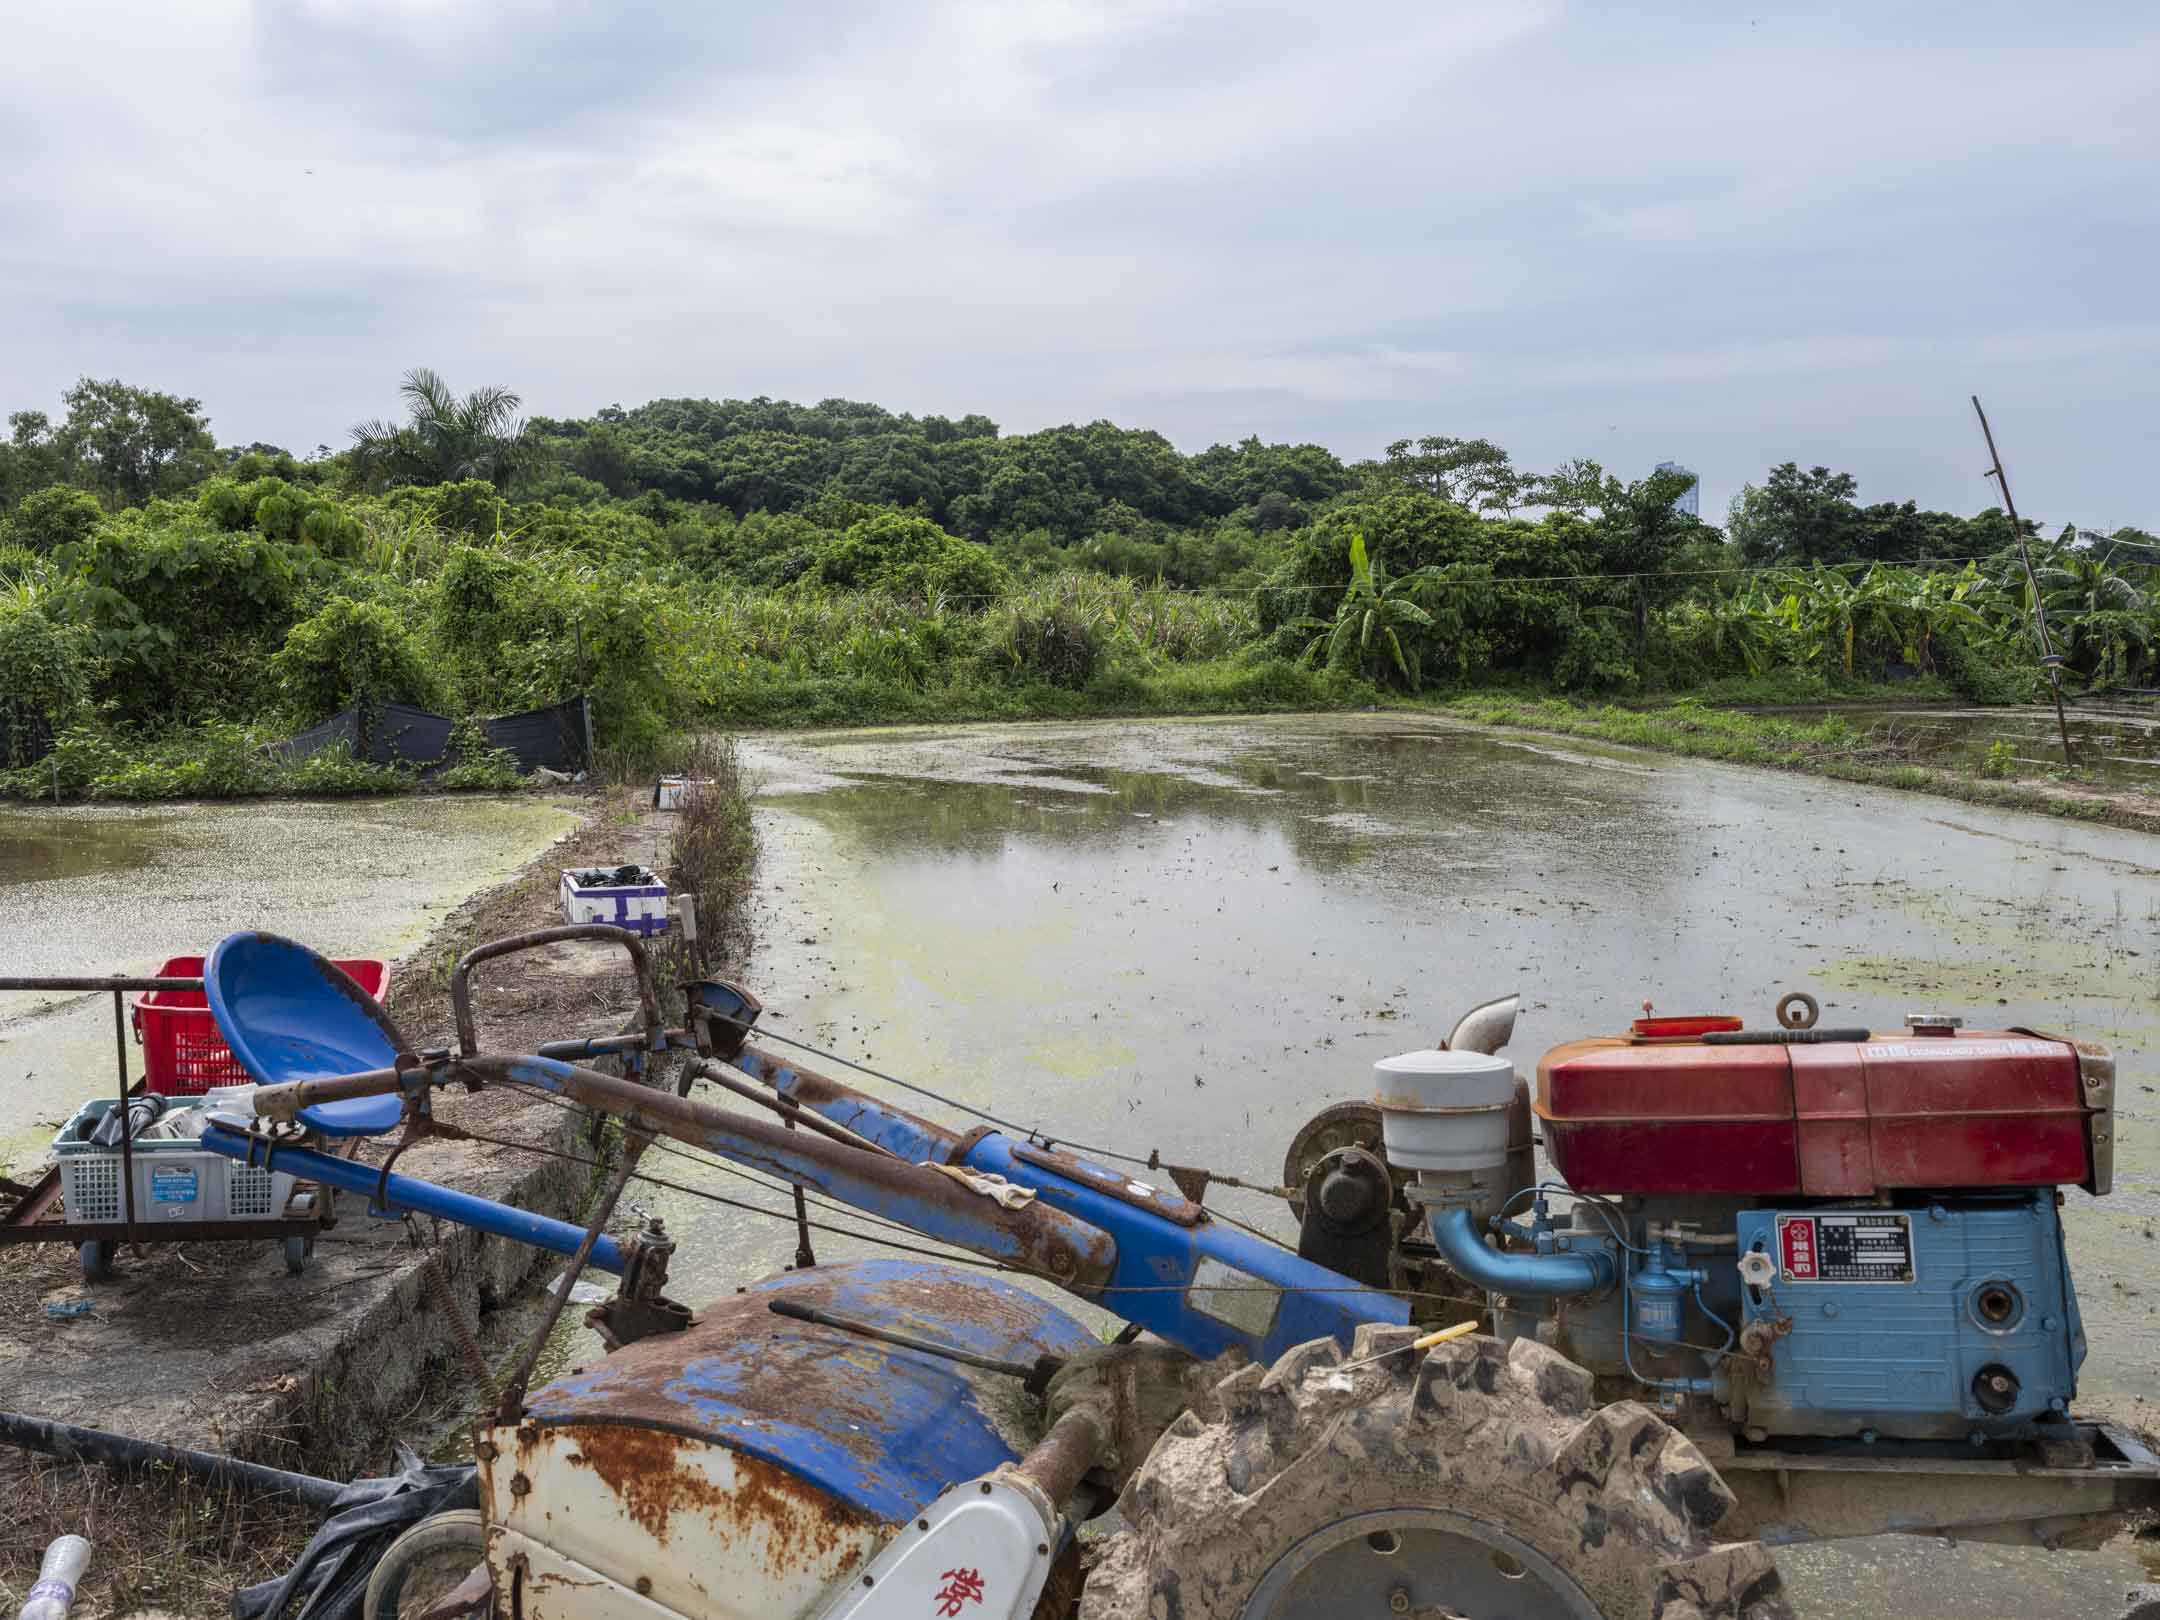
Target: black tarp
{"x":394,"y":733}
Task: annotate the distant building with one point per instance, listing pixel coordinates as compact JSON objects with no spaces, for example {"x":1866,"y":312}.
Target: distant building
{"x":1690,"y":499}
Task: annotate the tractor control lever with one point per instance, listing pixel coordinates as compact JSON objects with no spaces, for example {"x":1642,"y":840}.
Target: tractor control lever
{"x":1035,"y":1375}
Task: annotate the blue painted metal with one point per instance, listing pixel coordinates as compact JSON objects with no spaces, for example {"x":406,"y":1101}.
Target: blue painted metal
{"x":288,"y":1014}
{"x":1206,"y":1288}
{"x":896,"y":1189}
{"x":915,"y":1139}
{"x":1899,"y":1358}
{"x":880,"y":1428}
{"x":1657,"y":1297}
{"x":424,"y":1197}
{"x":1550,"y":1276}
{"x":1282,"y":1299}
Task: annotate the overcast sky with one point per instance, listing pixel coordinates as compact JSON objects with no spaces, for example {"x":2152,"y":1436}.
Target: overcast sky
{"x":1730,"y":234}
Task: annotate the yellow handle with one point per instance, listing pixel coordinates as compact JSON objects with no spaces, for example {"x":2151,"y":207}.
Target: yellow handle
{"x":1461,"y":1330}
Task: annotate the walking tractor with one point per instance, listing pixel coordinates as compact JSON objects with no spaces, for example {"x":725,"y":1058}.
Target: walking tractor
{"x":1778,"y":1284}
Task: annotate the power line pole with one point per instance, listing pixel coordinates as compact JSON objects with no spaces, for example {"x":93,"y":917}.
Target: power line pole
{"x":2048,"y":660}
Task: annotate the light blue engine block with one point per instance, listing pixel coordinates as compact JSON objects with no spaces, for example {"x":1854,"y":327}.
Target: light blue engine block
{"x":1937,"y":1322}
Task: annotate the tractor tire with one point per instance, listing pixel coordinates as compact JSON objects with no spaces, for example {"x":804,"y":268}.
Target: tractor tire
{"x":1481,"y":1481}
{"x":426,"y":1565}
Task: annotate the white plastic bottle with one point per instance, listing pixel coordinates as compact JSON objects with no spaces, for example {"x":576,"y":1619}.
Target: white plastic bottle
{"x":53,"y":1594}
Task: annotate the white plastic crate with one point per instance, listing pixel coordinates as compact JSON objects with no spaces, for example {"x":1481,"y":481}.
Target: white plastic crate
{"x":640,"y":907}
{"x":670,"y":791}
{"x":174,"y":1180}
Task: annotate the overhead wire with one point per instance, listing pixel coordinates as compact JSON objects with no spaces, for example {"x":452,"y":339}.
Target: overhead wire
{"x":1502,"y":581}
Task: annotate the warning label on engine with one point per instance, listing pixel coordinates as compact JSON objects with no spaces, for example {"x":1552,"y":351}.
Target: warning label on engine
{"x":1845,"y":1248}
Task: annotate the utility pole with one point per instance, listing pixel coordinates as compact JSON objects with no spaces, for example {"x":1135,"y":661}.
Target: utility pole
{"x":2048,"y":660}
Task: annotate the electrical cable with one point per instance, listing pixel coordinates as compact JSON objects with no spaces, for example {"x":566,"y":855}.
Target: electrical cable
{"x":1033,"y":1135}
{"x":703,"y":1161}
{"x":963,"y":1258}
{"x":1028,"y":1131}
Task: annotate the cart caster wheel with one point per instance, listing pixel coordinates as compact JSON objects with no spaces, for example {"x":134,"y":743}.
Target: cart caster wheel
{"x":435,"y":1562}
{"x":297,"y":1250}
{"x":97,"y":1259}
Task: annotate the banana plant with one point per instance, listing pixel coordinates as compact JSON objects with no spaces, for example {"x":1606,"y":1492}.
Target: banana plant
{"x":1370,"y":618}
{"x":2103,"y":614}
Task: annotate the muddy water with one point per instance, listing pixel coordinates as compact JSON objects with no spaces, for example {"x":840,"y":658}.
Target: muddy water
{"x":98,"y":889}
{"x":1193,"y":935}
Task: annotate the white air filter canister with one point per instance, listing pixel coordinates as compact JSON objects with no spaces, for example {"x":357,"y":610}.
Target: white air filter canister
{"x":1445,"y":1110}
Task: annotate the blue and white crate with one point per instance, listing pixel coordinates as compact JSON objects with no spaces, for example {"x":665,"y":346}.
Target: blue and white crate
{"x":176,"y":1179}
{"x":642,"y":908}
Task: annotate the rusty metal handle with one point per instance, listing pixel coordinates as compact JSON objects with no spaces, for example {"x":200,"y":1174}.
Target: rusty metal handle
{"x":461,"y":988}
{"x":285,"y":1100}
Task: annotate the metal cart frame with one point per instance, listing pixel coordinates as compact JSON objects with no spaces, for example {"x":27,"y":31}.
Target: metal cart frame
{"x":31,"y":1214}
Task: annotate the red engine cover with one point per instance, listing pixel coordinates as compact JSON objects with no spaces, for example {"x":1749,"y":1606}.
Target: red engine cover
{"x":1977,"y":1109}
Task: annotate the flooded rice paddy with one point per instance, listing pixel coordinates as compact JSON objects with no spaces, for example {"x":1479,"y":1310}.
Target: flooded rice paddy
{"x":106,"y":889}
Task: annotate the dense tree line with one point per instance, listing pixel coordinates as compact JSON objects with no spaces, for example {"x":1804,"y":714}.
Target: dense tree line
{"x":779,"y":562}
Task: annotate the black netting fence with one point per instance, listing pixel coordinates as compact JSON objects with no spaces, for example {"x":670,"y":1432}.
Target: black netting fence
{"x":397,"y":733}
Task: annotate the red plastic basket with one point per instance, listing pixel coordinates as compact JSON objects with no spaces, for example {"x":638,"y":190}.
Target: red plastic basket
{"x":183,"y":1053}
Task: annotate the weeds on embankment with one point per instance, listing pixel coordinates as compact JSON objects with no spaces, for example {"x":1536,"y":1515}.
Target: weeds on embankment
{"x":712,"y":860}
{"x":1830,"y":747}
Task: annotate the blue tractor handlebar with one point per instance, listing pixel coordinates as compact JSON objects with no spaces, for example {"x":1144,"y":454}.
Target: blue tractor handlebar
{"x":1143,"y":1252}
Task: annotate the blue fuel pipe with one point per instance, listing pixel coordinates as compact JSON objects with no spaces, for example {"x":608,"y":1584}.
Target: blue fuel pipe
{"x":222,"y":1134}
{"x":1550,"y":1276}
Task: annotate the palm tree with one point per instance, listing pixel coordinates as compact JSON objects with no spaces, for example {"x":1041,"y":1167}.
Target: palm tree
{"x":447,"y":438}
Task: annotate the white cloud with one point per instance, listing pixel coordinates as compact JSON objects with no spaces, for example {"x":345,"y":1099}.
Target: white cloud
{"x":1623,"y":233}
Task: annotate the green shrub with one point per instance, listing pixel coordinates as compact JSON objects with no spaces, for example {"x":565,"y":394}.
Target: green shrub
{"x":477,"y":763}
{"x":59,"y":516}
{"x":907,"y":556}
{"x":183,"y":622}
{"x":44,"y":672}
{"x":349,"y":652}
{"x":277,"y":510}
{"x":1052,"y":641}
{"x":473,"y":508}
{"x":334,"y":770}
{"x":1995,"y":672}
